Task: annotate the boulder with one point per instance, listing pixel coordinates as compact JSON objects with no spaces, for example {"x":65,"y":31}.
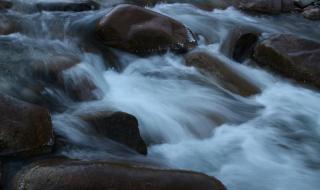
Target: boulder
{"x":303,"y":3}
{"x":291,"y":56}
{"x":118,"y":126}
{"x":226,"y":76}
{"x":312,"y":13}
{"x":76,"y":6}
{"x":143,"y":32}
{"x":8,"y":25}
{"x":267,"y":6}
{"x":240,"y":43}
{"x":202,"y":4}
{"x":62,"y":72}
{"x":5,"y":4}
{"x":79,"y":85}
{"x":25,"y":129}
{"x":96,"y":175}
{"x":244,"y":46}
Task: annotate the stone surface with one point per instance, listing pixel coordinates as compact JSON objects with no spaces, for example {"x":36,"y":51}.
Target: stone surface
{"x":25,"y":129}
{"x":267,"y":6}
{"x":312,"y":13}
{"x":76,"y":6}
{"x":291,"y":56}
{"x":5,"y":4}
{"x":118,"y":126}
{"x":142,"y":31}
{"x":226,"y":76}
{"x":97,"y":175}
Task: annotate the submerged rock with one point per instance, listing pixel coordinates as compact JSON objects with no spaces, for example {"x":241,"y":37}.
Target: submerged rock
{"x":118,"y":126}
{"x":291,"y":56}
{"x":312,"y":13}
{"x":25,"y":129}
{"x":226,"y":76}
{"x":96,"y":175}
{"x":303,"y":3}
{"x":143,"y":32}
{"x":267,"y":6}
{"x":8,"y":25}
{"x":5,"y":4}
{"x":76,"y":6}
{"x":240,"y":43}
{"x":202,"y":4}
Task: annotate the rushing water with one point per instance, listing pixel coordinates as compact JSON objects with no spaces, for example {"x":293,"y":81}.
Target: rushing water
{"x":270,"y":141}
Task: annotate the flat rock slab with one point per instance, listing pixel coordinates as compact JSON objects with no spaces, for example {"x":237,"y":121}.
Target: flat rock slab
{"x":291,"y":56}
{"x":98,"y":175}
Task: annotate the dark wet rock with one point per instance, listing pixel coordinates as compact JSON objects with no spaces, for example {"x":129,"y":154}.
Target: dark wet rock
{"x":25,"y":129}
{"x":142,"y":31}
{"x":202,"y":4}
{"x":96,"y":175}
{"x":240,"y":43}
{"x":118,"y":126}
{"x":244,"y":46}
{"x":5,"y":4}
{"x":291,"y":56}
{"x":226,"y":76}
{"x":267,"y":6}
{"x":80,"y":87}
{"x":8,"y":25}
{"x":303,"y":3}
{"x":76,"y":6}
{"x":61,"y":71}
{"x":52,"y":69}
{"x":312,"y":13}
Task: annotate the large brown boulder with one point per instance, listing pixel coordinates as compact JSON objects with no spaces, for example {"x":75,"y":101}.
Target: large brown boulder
{"x":62,"y":71}
{"x":118,"y":126}
{"x":240,"y":43}
{"x":142,"y":31}
{"x":96,"y":175}
{"x":291,"y":56}
{"x":202,"y":4}
{"x":4,"y":4}
{"x":8,"y":25}
{"x":76,"y":6}
{"x":225,"y":75}
{"x":267,"y":6}
{"x":312,"y":13}
{"x":25,"y":129}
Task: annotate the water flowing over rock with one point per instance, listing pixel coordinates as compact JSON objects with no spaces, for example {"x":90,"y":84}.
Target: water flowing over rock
{"x":304,"y":3}
{"x":240,"y":43}
{"x":25,"y":129}
{"x":226,"y":76}
{"x":312,"y":13}
{"x":118,"y":126}
{"x":143,"y":32}
{"x":96,"y":175}
{"x":8,"y":25}
{"x":267,"y":6}
{"x":291,"y":56}
{"x":79,"y":6}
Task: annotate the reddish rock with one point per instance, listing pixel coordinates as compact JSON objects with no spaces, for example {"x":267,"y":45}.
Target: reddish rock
{"x":118,"y":126}
{"x":291,"y":56}
{"x":142,"y":31}
{"x":76,"y":6}
{"x":5,"y":4}
{"x":25,"y":129}
{"x":312,"y":13}
{"x":226,"y":76}
{"x":96,"y":175}
{"x":267,"y":6}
